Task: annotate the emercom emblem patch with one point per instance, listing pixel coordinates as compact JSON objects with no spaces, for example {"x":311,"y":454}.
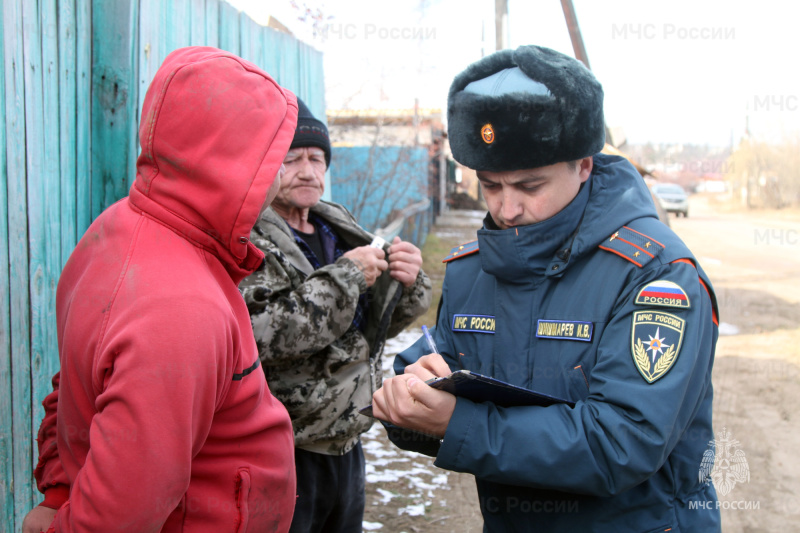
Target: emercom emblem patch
{"x":656,"y":339}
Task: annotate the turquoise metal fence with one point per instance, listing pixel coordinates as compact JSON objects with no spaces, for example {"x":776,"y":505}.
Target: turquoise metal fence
{"x":75,"y":75}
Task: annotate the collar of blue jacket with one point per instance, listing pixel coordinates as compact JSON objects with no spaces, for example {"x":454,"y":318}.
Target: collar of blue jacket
{"x":548,"y":247}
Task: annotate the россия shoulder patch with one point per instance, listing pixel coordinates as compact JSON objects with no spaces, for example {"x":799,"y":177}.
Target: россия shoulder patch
{"x":662,"y":293}
{"x":462,"y":250}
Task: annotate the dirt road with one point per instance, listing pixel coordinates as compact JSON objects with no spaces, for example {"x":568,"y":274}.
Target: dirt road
{"x":753,"y":260}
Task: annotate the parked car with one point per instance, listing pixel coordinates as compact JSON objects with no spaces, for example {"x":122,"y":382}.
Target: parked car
{"x":672,"y":197}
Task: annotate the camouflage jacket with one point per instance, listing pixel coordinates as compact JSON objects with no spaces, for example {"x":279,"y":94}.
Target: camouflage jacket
{"x":321,"y":367}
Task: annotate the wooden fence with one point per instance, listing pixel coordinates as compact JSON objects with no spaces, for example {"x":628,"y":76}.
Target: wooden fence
{"x":75,"y":75}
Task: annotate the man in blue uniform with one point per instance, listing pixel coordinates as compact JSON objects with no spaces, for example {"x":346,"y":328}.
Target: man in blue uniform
{"x":574,"y":289}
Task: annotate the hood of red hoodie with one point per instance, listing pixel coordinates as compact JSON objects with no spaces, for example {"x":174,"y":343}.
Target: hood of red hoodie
{"x":214,"y":131}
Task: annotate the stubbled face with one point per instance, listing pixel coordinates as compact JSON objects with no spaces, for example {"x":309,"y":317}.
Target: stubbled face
{"x":528,"y":196}
{"x":273,"y":190}
{"x":304,"y":181}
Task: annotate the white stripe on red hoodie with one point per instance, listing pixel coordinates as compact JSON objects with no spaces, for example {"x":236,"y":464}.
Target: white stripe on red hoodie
{"x":161,"y":418}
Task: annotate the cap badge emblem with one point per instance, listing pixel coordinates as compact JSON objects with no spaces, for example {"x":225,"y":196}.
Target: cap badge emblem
{"x":487,"y":133}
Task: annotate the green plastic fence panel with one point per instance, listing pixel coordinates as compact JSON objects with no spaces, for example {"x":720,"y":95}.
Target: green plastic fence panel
{"x":6,"y":435}
{"x":114,"y":98}
{"x":212,"y":23}
{"x":176,"y":27}
{"x":200,"y":25}
{"x":44,"y":205}
{"x":302,"y":78}
{"x":272,"y":54}
{"x":36,"y":181}
{"x":291,"y":57}
{"x":132,"y":104}
{"x":83,"y":119}
{"x":151,"y":48}
{"x":250,"y":40}
{"x":67,"y":125}
{"x":312,"y":79}
{"x":289,"y":53}
{"x":229,"y":28}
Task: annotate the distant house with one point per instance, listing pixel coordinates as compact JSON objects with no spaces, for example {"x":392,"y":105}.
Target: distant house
{"x":712,"y":182}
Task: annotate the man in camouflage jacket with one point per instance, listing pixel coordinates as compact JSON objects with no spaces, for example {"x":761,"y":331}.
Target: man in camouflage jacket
{"x":322,"y":307}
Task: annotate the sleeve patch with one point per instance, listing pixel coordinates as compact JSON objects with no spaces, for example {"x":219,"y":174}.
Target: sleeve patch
{"x":461,"y":251}
{"x":636,"y":247}
{"x":662,"y":293}
{"x":656,"y":339}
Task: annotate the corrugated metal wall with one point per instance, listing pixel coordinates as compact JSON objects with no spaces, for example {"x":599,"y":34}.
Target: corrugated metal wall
{"x":75,"y":75}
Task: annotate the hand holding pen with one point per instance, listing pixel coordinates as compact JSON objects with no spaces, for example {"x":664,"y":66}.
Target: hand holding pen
{"x":429,"y":339}
{"x":432,"y":365}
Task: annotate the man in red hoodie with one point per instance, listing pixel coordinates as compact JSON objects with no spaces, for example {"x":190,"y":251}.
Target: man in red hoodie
{"x":161,"y":418}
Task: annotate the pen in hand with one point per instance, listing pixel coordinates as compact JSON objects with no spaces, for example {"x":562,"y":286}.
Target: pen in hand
{"x":429,"y":339}
{"x":431,"y":345}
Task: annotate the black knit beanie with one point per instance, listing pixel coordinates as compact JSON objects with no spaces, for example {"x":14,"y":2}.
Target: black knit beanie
{"x":524,"y":108}
{"x":311,"y":132}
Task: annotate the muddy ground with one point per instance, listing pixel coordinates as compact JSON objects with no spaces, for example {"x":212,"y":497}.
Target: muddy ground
{"x":753,"y":260}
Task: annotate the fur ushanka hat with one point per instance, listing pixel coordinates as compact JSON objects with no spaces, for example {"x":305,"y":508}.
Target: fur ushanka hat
{"x":524,"y":108}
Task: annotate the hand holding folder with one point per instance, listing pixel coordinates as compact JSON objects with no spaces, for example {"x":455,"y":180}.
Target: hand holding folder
{"x":480,"y":388}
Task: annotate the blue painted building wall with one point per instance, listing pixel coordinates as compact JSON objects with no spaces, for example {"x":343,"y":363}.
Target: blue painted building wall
{"x":374,"y":182}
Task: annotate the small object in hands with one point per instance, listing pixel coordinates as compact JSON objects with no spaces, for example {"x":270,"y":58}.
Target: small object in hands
{"x":429,"y":339}
{"x":377,"y":242}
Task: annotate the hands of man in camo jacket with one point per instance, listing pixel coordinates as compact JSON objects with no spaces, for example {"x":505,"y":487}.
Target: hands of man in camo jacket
{"x":405,"y":260}
{"x":371,"y":262}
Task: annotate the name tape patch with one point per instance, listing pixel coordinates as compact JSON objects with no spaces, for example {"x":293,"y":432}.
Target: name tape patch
{"x":664,"y":293}
{"x":475,"y":323}
{"x":565,"y":330}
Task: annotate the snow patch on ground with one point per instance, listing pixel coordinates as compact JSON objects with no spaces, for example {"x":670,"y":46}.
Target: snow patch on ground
{"x":413,"y":510}
{"x":395,"y":345}
{"x":412,"y":474}
{"x":386,"y":496}
{"x":448,"y":234}
{"x":728,"y":329}
{"x":709,"y":261}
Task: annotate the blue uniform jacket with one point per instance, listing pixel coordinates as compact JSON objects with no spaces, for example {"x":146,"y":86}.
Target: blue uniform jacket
{"x":603,"y":305}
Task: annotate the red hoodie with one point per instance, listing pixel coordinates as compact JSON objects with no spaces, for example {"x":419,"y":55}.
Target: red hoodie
{"x":164,"y":419}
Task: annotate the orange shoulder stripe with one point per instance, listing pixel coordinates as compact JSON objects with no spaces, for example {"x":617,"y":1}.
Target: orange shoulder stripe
{"x":645,"y":236}
{"x":619,"y":254}
{"x":714,"y":316}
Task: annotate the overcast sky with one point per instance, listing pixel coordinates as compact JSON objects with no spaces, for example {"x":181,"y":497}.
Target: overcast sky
{"x":678,"y":71}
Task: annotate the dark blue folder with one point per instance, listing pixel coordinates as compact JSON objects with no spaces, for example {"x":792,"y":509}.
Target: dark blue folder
{"x":480,"y":388}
